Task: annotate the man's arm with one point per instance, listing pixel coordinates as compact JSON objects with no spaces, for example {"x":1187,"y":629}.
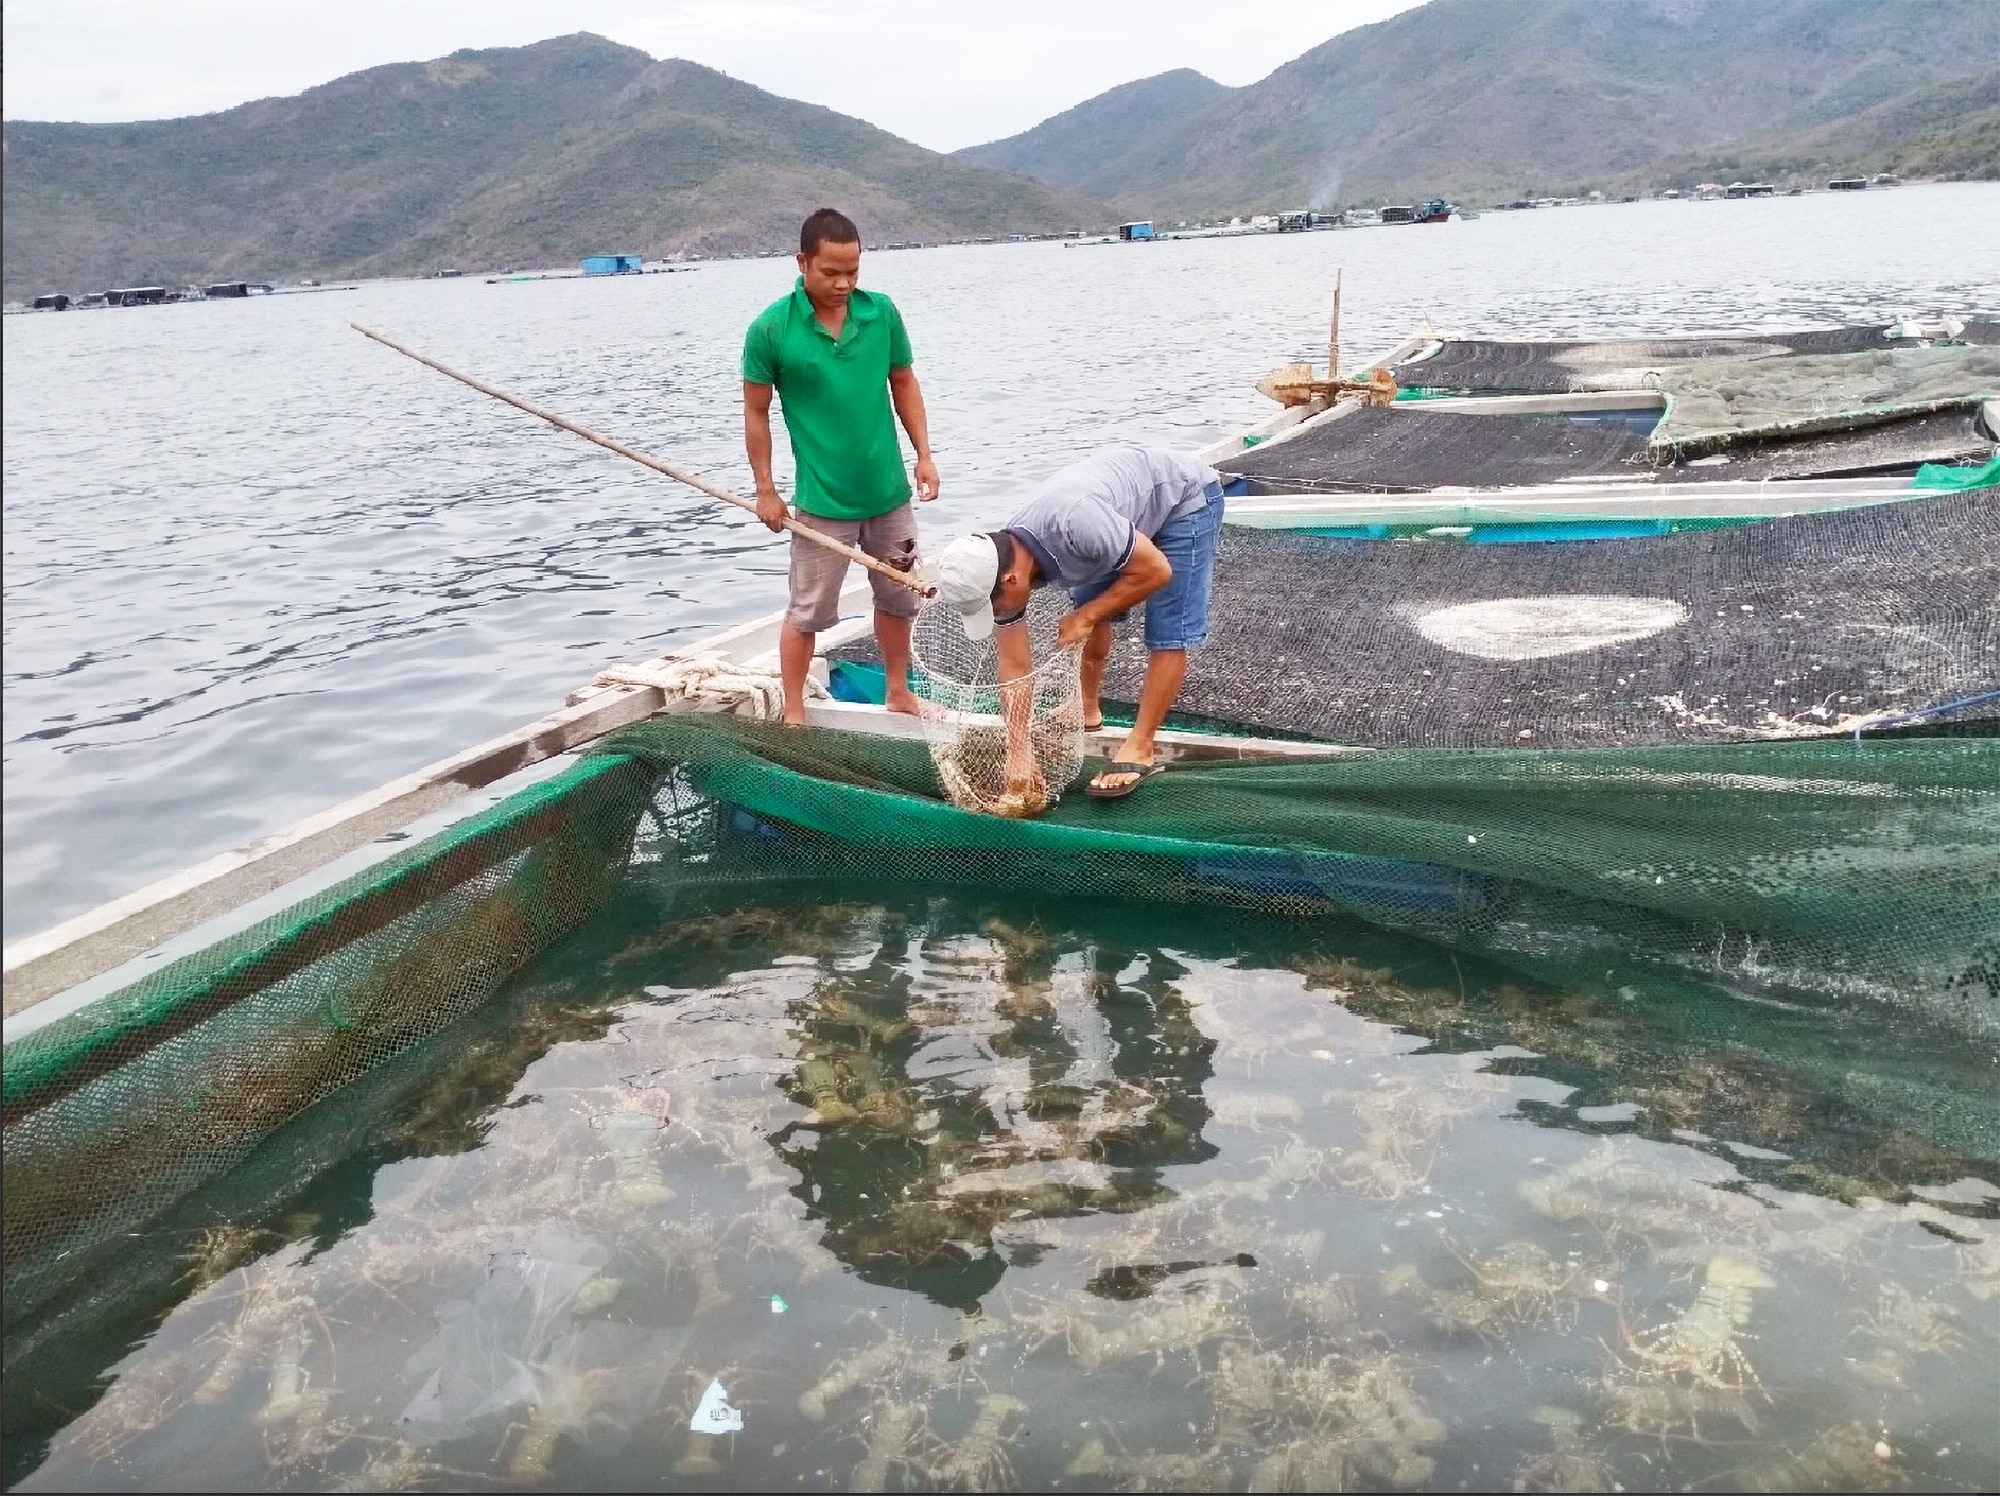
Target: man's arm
{"x":1146,"y":572}
{"x":908,"y":398}
{"x":1016,"y":658}
{"x":757,"y":441}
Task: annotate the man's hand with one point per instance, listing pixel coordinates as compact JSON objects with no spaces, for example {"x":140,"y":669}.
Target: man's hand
{"x":1145,"y":573}
{"x":927,"y":479}
{"x":1024,"y":775}
{"x":757,"y":446}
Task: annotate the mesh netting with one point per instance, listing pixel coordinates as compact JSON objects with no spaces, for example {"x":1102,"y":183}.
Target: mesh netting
{"x":1479,"y":366}
{"x":1833,"y":867}
{"x":1713,"y":405}
{"x":1413,"y":450}
{"x":967,"y":714}
{"x":1802,"y":625}
{"x":1806,"y":872}
{"x":888,"y":1097}
{"x":122,"y":1107}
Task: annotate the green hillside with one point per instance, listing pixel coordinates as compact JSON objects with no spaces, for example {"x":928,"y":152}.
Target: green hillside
{"x":1483,"y":99}
{"x":516,"y":156}
{"x":1087,"y":144}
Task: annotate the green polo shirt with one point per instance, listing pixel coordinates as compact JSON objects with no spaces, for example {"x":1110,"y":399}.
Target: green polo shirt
{"x":835,"y":398}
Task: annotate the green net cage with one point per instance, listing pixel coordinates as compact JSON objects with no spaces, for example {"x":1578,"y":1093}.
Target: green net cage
{"x":1863,"y":873}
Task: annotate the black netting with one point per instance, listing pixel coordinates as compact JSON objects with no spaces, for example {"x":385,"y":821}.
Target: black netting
{"x":1488,"y":367}
{"x":1413,"y":449}
{"x":1792,"y":627}
{"x":1789,"y":626}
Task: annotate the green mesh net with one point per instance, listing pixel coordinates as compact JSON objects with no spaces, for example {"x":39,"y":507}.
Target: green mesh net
{"x":1819,"y":872}
{"x":1830,"y":866}
{"x":122,"y":1107}
{"x":1946,"y":478}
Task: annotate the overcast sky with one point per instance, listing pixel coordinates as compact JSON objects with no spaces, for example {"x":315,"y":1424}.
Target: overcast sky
{"x":940,"y":73}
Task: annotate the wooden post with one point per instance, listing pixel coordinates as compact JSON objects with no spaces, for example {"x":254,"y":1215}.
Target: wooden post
{"x":1333,"y":333}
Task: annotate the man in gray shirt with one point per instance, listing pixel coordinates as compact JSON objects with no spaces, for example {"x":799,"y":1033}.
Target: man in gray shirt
{"x":1124,"y":526}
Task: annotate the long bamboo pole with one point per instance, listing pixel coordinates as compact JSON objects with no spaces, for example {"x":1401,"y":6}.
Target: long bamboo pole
{"x":646,"y":460}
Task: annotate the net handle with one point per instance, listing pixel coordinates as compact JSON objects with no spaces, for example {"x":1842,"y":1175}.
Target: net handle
{"x":646,"y":460}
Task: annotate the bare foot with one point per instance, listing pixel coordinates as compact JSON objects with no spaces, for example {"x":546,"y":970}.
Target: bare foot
{"x":904,"y":701}
{"x":798,"y":721}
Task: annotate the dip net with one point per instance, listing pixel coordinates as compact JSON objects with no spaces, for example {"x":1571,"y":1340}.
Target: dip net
{"x":967,"y":711}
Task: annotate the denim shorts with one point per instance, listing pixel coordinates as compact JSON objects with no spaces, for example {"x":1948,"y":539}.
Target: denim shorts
{"x":1177,"y":615}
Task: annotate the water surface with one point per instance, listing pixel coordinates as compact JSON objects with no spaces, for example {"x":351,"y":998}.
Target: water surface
{"x":986,"y":1195}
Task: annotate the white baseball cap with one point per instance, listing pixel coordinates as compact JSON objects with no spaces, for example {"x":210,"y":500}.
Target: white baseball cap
{"x":964,"y":574}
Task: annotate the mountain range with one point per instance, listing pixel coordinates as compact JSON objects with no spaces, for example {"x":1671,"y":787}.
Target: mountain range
{"x":536,"y":155}
{"x":1484,"y":99}
{"x":514,"y":156}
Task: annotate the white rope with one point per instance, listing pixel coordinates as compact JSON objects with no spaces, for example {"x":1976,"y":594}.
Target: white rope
{"x":706,"y":681}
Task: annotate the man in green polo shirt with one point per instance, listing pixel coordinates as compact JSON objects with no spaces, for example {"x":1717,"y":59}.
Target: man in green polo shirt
{"x":839,"y":360}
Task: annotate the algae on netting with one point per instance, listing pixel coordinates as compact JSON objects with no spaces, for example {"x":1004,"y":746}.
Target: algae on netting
{"x":1717,"y":403}
{"x":117,"y":1110}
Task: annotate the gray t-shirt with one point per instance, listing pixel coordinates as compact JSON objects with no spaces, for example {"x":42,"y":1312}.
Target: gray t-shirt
{"x":1081,"y":523}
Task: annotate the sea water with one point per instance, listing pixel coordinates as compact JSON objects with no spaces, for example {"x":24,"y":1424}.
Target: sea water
{"x":825,"y":1190}
{"x":255,"y":563}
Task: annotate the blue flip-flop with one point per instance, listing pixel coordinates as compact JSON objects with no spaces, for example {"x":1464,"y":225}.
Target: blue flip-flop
{"x":1140,"y":774}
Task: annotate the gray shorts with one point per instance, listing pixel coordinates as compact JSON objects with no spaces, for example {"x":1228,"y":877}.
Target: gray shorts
{"x":818,"y":573}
